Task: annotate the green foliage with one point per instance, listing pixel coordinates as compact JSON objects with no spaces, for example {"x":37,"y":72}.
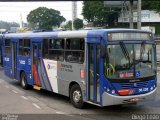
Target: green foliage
{"x":7,"y":25}
{"x":98,"y":14}
{"x":78,"y":23}
{"x":68,"y":25}
{"x":45,"y":18}
{"x":157,"y":27}
{"x":151,"y":5}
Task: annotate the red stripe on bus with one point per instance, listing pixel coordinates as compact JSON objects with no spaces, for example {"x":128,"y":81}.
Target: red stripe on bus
{"x":35,"y":73}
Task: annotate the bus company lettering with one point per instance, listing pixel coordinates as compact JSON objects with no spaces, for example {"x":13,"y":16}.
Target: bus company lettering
{"x":6,"y":59}
{"x":64,"y":67}
{"x":22,"y":62}
{"x":29,"y":61}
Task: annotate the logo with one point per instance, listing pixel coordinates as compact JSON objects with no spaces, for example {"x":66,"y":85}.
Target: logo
{"x":48,"y":66}
{"x":51,"y":67}
{"x":138,"y":74}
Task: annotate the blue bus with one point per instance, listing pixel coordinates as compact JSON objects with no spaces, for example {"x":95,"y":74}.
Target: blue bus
{"x":1,"y":50}
{"x":102,"y":67}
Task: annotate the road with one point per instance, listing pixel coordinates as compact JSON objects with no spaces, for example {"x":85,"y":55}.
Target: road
{"x":43,"y":104}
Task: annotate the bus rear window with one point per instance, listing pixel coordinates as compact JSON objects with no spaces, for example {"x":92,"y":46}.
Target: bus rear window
{"x":129,"y":36}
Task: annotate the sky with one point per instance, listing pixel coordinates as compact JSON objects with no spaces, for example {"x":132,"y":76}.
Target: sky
{"x":10,"y":11}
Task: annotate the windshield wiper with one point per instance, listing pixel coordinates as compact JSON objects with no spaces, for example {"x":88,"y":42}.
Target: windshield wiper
{"x":125,"y":51}
{"x":142,"y":50}
{"x":141,"y":53}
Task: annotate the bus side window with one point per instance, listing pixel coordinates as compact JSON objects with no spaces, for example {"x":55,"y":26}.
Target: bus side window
{"x":24,"y":47}
{"x":58,"y":44}
{"x":74,"y":50}
{"x":7,"y":48}
{"x":56,"y":49}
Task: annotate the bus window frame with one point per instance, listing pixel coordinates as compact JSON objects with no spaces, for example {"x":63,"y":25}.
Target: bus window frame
{"x":64,"y":50}
{"x":23,"y":47}
{"x":52,"y":49}
{"x":75,"y":50}
{"x":7,"y":46}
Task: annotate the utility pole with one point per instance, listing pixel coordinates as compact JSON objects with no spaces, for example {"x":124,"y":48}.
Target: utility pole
{"x":21,"y":21}
{"x":131,"y":15}
{"x":139,"y":14}
{"x":74,"y":12}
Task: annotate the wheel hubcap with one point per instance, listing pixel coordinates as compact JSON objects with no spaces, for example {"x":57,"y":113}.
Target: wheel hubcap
{"x":76,"y":96}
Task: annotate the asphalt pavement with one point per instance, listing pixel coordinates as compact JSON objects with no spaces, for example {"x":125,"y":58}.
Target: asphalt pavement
{"x":32,"y":104}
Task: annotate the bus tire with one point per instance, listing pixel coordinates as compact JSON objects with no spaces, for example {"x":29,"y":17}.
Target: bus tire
{"x":76,"y":97}
{"x":23,"y":81}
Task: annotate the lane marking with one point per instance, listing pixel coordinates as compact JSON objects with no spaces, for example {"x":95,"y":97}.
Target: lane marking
{"x":24,"y":97}
{"x":7,"y":86}
{"x":63,"y":113}
{"x":14,"y":91}
{"x":1,"y":79}
{"x":35,"y":105}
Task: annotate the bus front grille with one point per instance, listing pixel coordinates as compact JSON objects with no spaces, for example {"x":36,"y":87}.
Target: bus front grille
{"x":134,"y":85}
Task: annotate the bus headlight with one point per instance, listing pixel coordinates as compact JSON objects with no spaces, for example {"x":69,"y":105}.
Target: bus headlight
{"x":108,"y":89}
{"x":154,"y":86}
{"x":113,"y":91}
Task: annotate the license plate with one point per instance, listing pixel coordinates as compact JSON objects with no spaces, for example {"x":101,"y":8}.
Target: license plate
{"x":134,"y":100}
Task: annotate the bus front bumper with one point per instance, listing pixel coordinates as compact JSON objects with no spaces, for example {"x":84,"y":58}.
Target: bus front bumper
{"x":108,"y":99}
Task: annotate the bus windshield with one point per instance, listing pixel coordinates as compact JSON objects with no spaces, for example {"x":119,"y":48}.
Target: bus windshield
{"x":130,"y":61}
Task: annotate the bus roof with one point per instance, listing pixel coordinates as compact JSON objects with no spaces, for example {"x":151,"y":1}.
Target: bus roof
{"x":70,"y":34}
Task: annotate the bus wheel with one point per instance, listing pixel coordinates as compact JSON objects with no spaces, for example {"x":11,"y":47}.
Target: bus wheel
{"x":24,"y":81}
{"x":76,"y":96}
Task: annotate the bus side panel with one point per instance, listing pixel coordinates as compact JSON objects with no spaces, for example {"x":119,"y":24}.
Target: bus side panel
{"x":7,"y":65}
{"x":43,"y":76}
{"x":67,"y":73}
{"x":51,"y":73}
{"x":24,"y":64}
{"x":59,"y":75}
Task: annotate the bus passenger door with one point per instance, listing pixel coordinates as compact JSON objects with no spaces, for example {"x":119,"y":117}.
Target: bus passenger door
{"x":93,"y":73}
{"x":36,"y":47}
{"x":14,"y":59}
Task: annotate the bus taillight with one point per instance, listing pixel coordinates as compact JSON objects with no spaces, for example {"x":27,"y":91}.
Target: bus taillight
{"x":82,"y":73}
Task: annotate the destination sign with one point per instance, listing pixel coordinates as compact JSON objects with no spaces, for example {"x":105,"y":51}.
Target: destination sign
{"x":129,"y":36}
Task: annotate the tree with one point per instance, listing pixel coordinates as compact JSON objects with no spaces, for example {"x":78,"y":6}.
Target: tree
{"x":68,"y":25}
{"x":78,"y":23}
{"x":45,"y":18}
{"x":8,"y":25}
{"x":151,"y":5}
{"x":98,"y":14}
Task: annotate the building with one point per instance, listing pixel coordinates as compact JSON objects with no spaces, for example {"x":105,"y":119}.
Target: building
{"x":149,"y":19}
